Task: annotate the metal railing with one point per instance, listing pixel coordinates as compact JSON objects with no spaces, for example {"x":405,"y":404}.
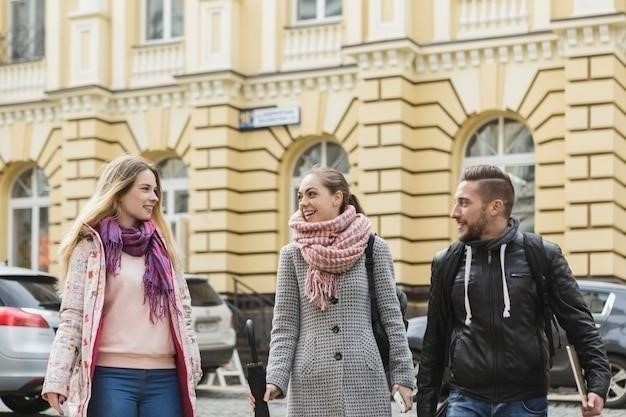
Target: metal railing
{"x":248,"y":303}
{"x":22,"y":44}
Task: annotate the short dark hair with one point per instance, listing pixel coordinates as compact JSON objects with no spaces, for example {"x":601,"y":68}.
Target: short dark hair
{"x":493,"y":184}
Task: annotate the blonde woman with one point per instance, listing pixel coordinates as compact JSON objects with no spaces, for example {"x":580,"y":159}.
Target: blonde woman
{"x":125,"y":345}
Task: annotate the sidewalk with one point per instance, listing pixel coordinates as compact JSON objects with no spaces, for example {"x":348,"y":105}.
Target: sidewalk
{"x":236,"y":391}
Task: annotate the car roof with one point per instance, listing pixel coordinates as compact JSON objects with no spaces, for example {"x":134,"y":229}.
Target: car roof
{"x":14,"y":271}
{"x":604,"y":285}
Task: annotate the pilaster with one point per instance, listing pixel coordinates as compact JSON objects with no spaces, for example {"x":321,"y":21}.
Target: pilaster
{"x":90,"y":44}
{"x":217,"y":25}
{"x":595,"y":188}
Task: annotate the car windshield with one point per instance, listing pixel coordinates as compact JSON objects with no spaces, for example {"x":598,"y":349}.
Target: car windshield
{"x":595,"y":300}
{"x":202,"y":295}
{"x":29,"y":292}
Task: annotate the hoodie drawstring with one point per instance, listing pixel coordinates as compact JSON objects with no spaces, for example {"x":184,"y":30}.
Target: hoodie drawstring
{"x":505,"y":289}
{"x":468,"y":265}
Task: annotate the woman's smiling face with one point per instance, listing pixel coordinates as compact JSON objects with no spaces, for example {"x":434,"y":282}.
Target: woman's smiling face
{"x":316,"y":202}
{"x":140,"y":200}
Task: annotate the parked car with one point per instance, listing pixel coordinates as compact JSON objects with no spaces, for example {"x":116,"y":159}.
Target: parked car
{"x":607,"y":302}
{"x":212,"y":320}
{"x":29,"y":317}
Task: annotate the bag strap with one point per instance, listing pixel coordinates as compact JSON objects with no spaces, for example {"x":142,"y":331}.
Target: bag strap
{"x":447,"y":263}
{"x":542,"y":274}
{"x":369,"y":266}
{"x":369,"y":261}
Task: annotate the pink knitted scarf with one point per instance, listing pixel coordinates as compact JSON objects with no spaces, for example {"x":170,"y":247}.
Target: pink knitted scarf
{"x":330,"y":248}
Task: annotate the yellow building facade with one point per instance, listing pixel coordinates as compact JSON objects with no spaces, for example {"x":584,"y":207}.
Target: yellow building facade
{"x":235,"y":99}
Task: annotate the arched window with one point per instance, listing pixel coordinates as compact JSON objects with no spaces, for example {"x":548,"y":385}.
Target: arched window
{"x":28,"y":220}
{"x":508,"y":144}
{"x":175,"y":196}
{"x":327,"y":154}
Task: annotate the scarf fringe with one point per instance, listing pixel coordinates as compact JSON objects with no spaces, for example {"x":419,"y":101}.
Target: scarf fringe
{"x":320,"y":287}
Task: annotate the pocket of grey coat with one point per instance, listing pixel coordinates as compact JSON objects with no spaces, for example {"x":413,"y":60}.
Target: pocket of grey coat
{"x":371,"y":353}
{"x":308,"y":355}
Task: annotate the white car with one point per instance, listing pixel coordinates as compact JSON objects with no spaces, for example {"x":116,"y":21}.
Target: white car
{"x":29,"y":317}
{"x":212,"y":321}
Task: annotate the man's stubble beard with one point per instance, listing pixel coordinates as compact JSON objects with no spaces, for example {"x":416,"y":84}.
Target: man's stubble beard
{"x":474,"y":231}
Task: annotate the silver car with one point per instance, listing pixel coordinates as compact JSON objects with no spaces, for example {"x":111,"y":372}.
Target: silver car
{"x":29,"y":317}
{"x":212,"y":321}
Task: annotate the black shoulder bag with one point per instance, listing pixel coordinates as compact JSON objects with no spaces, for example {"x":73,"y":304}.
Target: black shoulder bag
{"x":380,"y":334}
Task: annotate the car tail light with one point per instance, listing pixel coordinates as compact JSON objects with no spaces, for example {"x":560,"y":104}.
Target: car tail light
{"x":16,"y":317}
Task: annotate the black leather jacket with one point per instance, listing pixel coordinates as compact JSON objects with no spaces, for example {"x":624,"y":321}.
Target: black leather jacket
{"x":504,"y":359}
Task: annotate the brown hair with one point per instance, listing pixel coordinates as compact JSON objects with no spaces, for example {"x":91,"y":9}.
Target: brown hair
{"x":493,"y":184}
{"x":335,"y":181}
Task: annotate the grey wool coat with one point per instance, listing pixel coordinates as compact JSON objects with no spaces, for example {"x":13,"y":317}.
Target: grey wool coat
{"x":327,"y":361}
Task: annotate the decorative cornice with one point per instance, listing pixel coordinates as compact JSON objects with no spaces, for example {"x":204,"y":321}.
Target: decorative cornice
{"x":293,"y":84}
{"x":599,"y":38}
{"x":568,"y":38}
{"x":30,"y":113}
{"x":403,"y":54}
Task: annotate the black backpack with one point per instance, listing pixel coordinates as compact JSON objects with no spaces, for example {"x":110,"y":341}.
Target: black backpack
{"x":539,"y":268}
{"x":379,"y":330}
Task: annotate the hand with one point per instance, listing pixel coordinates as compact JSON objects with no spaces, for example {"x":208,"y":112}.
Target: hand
{"x":594,"y":405}
{"x":271,"y":392}
{"x":55,"y":400}
{"x":407,"y":395}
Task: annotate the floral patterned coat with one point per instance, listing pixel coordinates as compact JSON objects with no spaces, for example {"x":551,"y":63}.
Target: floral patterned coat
{"x":74,"y":351}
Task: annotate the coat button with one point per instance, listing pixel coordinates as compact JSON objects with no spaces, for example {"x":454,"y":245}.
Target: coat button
{"x":338,"y":356}
{"x":334,"y":300}
{"x":335,"y":329}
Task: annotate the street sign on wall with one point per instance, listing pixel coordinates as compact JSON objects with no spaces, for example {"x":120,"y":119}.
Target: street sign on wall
{"x":269,"y":116}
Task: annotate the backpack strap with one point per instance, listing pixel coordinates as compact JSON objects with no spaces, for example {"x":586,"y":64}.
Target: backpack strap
{"x":447,"y":263}
{"x":369,"y":266}
{"x":542,"y":274}
{"x":369,"y":260}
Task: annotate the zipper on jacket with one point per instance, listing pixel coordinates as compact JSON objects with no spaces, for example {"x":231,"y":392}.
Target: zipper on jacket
{"x":492,"y":298}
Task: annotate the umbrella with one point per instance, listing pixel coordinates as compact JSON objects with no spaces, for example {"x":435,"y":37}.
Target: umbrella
{"x":256,"y":375}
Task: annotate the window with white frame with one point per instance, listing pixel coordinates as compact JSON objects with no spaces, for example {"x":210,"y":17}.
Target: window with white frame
{"x":310,"y":10}
{"x":508,"y":143}
{"x":26,"y":29}
{"x":326,"y":154}
{"x":163,"y":19}
{"x":28,"y":220}
{"x":175,"y":196}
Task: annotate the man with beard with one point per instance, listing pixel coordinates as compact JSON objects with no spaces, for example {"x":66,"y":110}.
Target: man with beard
{"x":487,"y":318}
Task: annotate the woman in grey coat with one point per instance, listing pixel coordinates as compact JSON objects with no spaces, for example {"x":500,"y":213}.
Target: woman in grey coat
{"x":322,"y":344}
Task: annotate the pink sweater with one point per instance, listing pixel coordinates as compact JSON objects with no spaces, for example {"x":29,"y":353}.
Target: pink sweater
{"x":129,"y":339}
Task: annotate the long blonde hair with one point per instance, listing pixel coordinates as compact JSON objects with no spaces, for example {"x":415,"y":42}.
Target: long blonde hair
{"x":118,"y":177}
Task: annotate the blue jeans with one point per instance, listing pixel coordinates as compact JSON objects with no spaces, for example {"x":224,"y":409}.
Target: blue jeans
{"x":124,"y":392}
{"x":461,"y":405}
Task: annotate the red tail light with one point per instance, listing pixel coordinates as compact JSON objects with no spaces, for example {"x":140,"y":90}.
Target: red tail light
{"x":16,"y":317}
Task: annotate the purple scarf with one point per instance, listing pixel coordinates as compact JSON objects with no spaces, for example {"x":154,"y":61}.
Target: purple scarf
{"x":140,"y":241}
